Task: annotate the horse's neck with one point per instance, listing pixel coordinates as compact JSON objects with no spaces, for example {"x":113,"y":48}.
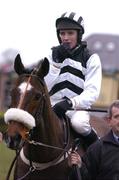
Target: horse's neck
{"x":53,"y":128}
{"x":49,"y":133}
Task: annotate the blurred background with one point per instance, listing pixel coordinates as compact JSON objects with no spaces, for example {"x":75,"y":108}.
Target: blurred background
{"x":28,"y":27}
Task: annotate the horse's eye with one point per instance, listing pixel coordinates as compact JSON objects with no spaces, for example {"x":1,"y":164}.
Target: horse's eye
{"x":37,"y":96}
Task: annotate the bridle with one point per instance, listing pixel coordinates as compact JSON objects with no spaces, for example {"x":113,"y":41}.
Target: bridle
{"x":64,"y":150}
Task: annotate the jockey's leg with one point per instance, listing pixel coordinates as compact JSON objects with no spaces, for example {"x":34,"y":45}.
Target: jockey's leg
{"x":80,"y":123}
{"x":91,"y":137}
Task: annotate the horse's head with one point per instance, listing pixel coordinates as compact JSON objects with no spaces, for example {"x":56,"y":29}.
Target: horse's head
{"x":27,"y":98}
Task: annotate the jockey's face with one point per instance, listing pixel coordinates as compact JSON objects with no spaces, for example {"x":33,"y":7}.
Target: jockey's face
{"x":114,"y":120}
{"x":69,"y":37}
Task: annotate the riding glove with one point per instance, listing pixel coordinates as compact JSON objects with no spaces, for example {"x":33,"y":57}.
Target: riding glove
{"x":61,"y":52}
{"x":61,"y":107}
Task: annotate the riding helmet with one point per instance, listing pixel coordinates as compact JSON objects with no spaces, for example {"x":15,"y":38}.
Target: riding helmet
{"x":70,"y":21}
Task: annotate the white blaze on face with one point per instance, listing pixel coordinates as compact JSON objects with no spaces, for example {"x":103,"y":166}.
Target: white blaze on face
{"x":23,"y":86}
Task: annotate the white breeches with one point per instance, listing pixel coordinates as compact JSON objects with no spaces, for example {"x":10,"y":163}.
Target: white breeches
{"x":80,"y":121}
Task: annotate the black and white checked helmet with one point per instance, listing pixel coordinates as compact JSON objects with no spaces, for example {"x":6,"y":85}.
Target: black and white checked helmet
{"x":70,"y":21}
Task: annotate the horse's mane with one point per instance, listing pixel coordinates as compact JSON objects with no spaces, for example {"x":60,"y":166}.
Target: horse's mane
{"x":53,"y":123}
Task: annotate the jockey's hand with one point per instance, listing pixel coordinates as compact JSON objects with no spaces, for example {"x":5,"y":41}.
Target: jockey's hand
{"x":61,"y":52}
{"x":74,"y":159}
{"x":61,"y":107}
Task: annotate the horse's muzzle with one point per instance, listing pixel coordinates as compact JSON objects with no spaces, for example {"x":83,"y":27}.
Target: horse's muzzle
{"x":12,"y":142}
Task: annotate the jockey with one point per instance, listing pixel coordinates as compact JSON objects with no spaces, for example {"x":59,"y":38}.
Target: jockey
{"x":74,"y":78}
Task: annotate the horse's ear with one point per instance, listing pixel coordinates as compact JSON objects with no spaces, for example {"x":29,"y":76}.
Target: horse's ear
{"x":43,"y":68}
{"x":18,"y":66}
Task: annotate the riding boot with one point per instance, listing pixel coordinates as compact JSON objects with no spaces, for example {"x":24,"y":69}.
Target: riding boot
{"x":90,"y":138}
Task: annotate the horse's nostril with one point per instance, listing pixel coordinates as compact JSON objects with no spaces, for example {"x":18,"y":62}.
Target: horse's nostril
{"x":12,"y":142}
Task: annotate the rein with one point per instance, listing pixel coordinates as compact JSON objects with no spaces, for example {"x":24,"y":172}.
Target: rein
{"x":32,"y":168}
{"x":45,"y":145}
{"x":14,"y":160}
{"x":56,"y":160}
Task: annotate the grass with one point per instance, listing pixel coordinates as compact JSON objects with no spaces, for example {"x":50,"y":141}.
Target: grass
{"x":6,"y":157}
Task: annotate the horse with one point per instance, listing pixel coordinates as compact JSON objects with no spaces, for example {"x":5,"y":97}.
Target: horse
{"x":44,"y":140}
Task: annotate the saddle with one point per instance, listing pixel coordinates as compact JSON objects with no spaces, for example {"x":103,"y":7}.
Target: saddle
{"x":78,"y":139}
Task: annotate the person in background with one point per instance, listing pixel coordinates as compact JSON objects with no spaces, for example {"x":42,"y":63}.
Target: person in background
{"x":74,"y":78}
{"x":1,"y":137}
{"x":101,"y":161}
